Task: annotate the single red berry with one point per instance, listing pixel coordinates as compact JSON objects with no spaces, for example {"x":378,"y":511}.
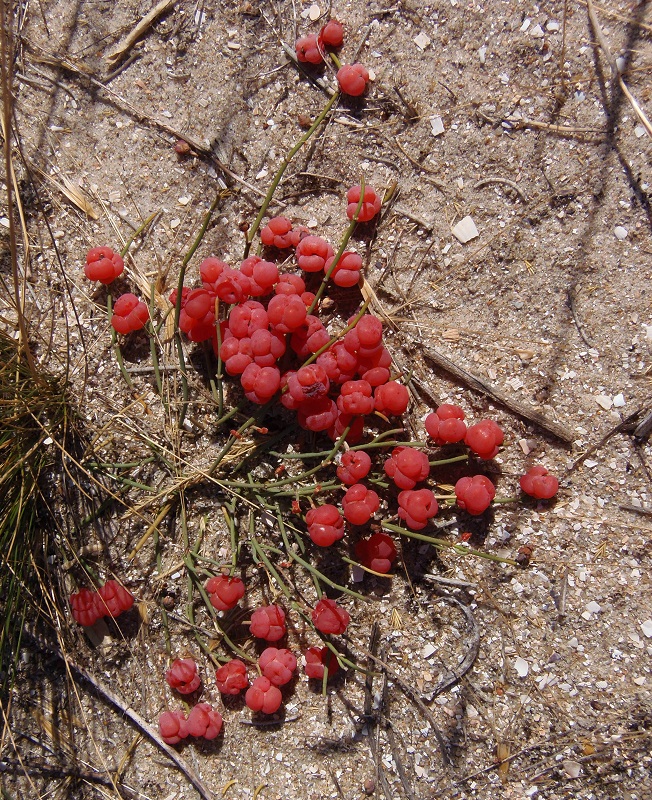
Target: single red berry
{"x":407,"y":467}
{"x":537,"y":482}
{"x":307,"y":50}
{"x":325,"y":525}
{"x":277,"y":233}
{"x":263,"y":696}
{"x":183,"y":676}
{"x":353,"y":79}
{"x":329,"y":617}
{"x":247,"y":317}
{"x":262,"y":275}
{"x":391,"y":398}
{"x":277,"y":665}
{"x":332,"y":34}
{"x":319,"y":658}
{"x":308,"y":383}
{"x":233,"y":286}
{"x":197,"y":317}
{"x":312,"y":253}
{"x":203,"y":722}
{"x":360,"y":504}
{"x":355,"y":466}
{"x":236,"y":353}
{"x":225,"y":592}
{"x":286,"y":312}
{"x":369,"y":329}
{"x":317,"y":414}
{"x":484,"y":438}
{"x":416,"y":507}
{"x":370,"y":204}
{"x":173,"y":726}
{"x":356,"y":398}
{"x":474,"y":494}
{"x":340,"y":364}
{"x":103,"y":265}
{"x":268,"y":622}
{"x":309,"y":338}
{"x":346,"y":272}
{"x":378,"y":552}
{"x":114,"y":599}
{"x":129,"y":314}
{"x":267,"y":347}
{"x":210,"y":270}
{"x":231,"y":677}
{"x":260,"y":383}
{"x":290,"y":283}
{"x":86,"y":607}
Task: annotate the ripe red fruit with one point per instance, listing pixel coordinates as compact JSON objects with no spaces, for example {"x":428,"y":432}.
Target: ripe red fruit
{"x":475,"y":494}
{"x":86,"y":607}
{"x":537,"y":482}
{"x":246,"y":318}
{"x":355,"y":466}
{"x":260,"y":383}
{"x":339,"y":363}
{"x":370,"y":204}
{"x":114,"y":599}
{"x":263,"y":696}
{"x":312,"y":253}
{"x":484,"y":438}
{"x":267,"y":347}
{"x":353,"y":79}
{"x":129,"y":314}
{"x":317,"y":415}
{"x":325,"y":525}
{"x":233,"y":286}
{"x":355,"y":424}
{"x":268,"y":622}
{"x":360,"y":504}
{"x":204,"y":722}
{"x":277,"y":665}
{"x":346,"y":272}
{"x":309,"y":338}
{"x":103,"y":265}
{"x":307,"y":50}
{"x":183,"y":676}
{"x":210,"y":270}
{"x":262,"y":275}
{"x":224,"y":592}
{"x":391,"y":398}
{"x":407,"y":467}
{"x":332,"y":34}
{"x":417,"y":506}
{"x":378,"y":552}
{"x":277,"y":233}
{"x":173,"y":726}
{"x":236,"y":353}
{"x":308,"y":383}
{"x":231,"y":677}
{"x":446,"y":425}
{"x":290,"y":283}
{"x":197,"y":317}
{"x":286,"y":312}
{"x":317,"y":658}
{"x":329,"y":617}
{"x":355,"y":398}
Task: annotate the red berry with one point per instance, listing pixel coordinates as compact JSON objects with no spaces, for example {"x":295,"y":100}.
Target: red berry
{"x":392,"y":398}
{"x":262,"y":275}
{"x":103,"y":265}
{"x":360,"y":504}
{"x":307,"y":50}
{"x":355,"y":466}
{"x":233,"y":286}
{"x":370,"y":204}
{"x":329,"y":617}
{"x":204,"y":722}
{"x":308,"y":383}
{"x":290,"y":283}
{"x":325,"y":525}
{"x":317,"y":415}
{"x":86,"y":607}
{"x":267,"y":347}
{"x":173,"y":726}
{"x":277,"y":665}
{"x":210,"y":270}
{"x":339,"y":363}
{"x":407,"y":467}
{"x":129,"y":314}
{"x":538,"y":483}
{"x":197,"y":317}
{"x":312,"y":336}
{"x":260,"y":383}
{"x":353,"y":79}
{"x":355,"y":398}
{"x":263,"y":696}
{"x":286,"y":313}
{"x":332,"y":34}
{"x":236,"y":354}
{"x":417,"y":506}
{"x":378,"y":552}
{"x":346,"y":272}
{"x":474,"y":494}
{"x":246,"y":318}
{"x":484,"y":438}
{"x":369,"y":329}
{"x":231,"y":677}
{"x":312,"y":253}
{"x":183,"y":676}
{"x":268,"y":622}
{"x":224,"y":592}
{"x":317,"y":658}
{"x":114,"y":599}
{"x":277,"y":233}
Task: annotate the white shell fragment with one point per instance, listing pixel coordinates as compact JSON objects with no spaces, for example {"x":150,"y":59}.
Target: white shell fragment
{"x":572,"y":769}
{"x":619,"y":400}
{"x":620,"y":233}
{"x":437,"y":125}
{"x":422,"y":40}
{"x":604,"y":401}
{"x":522,"y":667}
{"x":314,"y":12}
{"x":465,"y":230}
{"x":646,"y":627}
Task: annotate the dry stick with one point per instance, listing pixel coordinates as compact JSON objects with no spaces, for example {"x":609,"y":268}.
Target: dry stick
{"x":626,"y":424}
{"x":480,"y":385}
{"x":127,"y":43}
{"x":505,"y":181}
{"x":81,"y":676}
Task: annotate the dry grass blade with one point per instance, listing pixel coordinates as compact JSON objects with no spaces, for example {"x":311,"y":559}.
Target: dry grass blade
{"x":114,"y":57}
{"x":72,"y":192}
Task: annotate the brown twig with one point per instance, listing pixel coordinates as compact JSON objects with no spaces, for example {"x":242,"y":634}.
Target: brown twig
{"x":504,"y":181}
{"x":624,"y":425}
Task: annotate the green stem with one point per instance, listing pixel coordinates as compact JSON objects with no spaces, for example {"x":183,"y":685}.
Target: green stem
{"x":137,"y":232}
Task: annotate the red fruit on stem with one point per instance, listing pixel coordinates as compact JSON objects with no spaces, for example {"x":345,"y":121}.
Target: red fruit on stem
{"x":537,"y":482}
{"x":233,"y":286}
{"x":204,"y":722}
{"x":225,"y":592}
{"x":484,"y":438}
{"x":446,"y":425}
{"x":86,"y":607}
{"x":210,"y":270}
{"x":325,"y":525}
{"x":246,"y":318}
{"x":339,"y":363}
{"x":129,"y":314}
{"x":103,"y":265}
{"x":317,"y":659}
{"x":369,"y":329}
{"x":312,"y":336}
{"x":378,"y":552}
{"x":277,"y":665}
{"x":290,"y":283}
{"x":173,"y":726}
{"x":355,"y":424}
{"x":332,"y":34}
{"x":392,"y":398}
{"x":286,"y":312}
{"x":353,"y":79}
{"x":360,"y":504}
{"x":263,"y":696}
{"x":308,"y":383}
{"x":417,"y":506}
{"x":356,"y":398}
{"x":346,"y":272}
{"x":231,"y":677}
{"x":236,"y":354}
{"x":262,"y":275}
{"x":355,"y":466}
{"x":197,"y":317}
{"x":260,"y":383}
{"x":317,"y":415}
{"x":407,"y":467}
{"x":267,"y":347}
{"x":329,"y":617}
{"x":114,"y":599}
{"x":307,"y":50}
{"x":277,"y":233}
{"x":370,"y":204}
{"x":268,"y":622}
{"x":183,"y":676}
{"x":312,"y":253}
{"x":474,"y":494}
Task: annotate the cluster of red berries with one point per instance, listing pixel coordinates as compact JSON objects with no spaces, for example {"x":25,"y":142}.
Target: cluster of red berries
{"x":109,"y":600}
{"x":352,"y":78}
{"x":129,"y":313}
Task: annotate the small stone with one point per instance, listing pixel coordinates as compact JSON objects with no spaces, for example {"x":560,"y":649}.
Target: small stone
{"x":525,"y":447}
{"x":639,"y":131}
{"x":620,"y":233}
{"x":537,"y":32}
{"x":428,"y":651}
{"x":482,"y":53}
{"x":437,"y":126}
{"x":183,"y":201}
{"x":646,"y":627}
{"x":593,"y":607}
{"x":369,"y":786}
{"x":174,"y":223}
{"x":526,"y":24}
{"x":262,"y":174}
{"x":572,"y":768}
{"x":422,"y":41}
{"x":314,"y":12}
{"x":619,"y":400}
{"x":465,"y":230}
{"x":552,"y":26}
{"x":522,"y":667}
{"x":604,"y":401}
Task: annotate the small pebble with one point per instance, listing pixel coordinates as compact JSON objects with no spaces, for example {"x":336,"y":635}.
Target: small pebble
{"x":572,"y":768}
{"x":422,"y":41}
{"x":604,"y":401}
{"x":465,"y":230}
{"x":620,"y":233}
{"x":437,"y":126}
{"x":369,"y":786}
{"x":314,"y":12}
{"x":537,"y":32}
{"x":646,"y":627}
{"x":619,"y":400}
{"x":522,"y":667}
